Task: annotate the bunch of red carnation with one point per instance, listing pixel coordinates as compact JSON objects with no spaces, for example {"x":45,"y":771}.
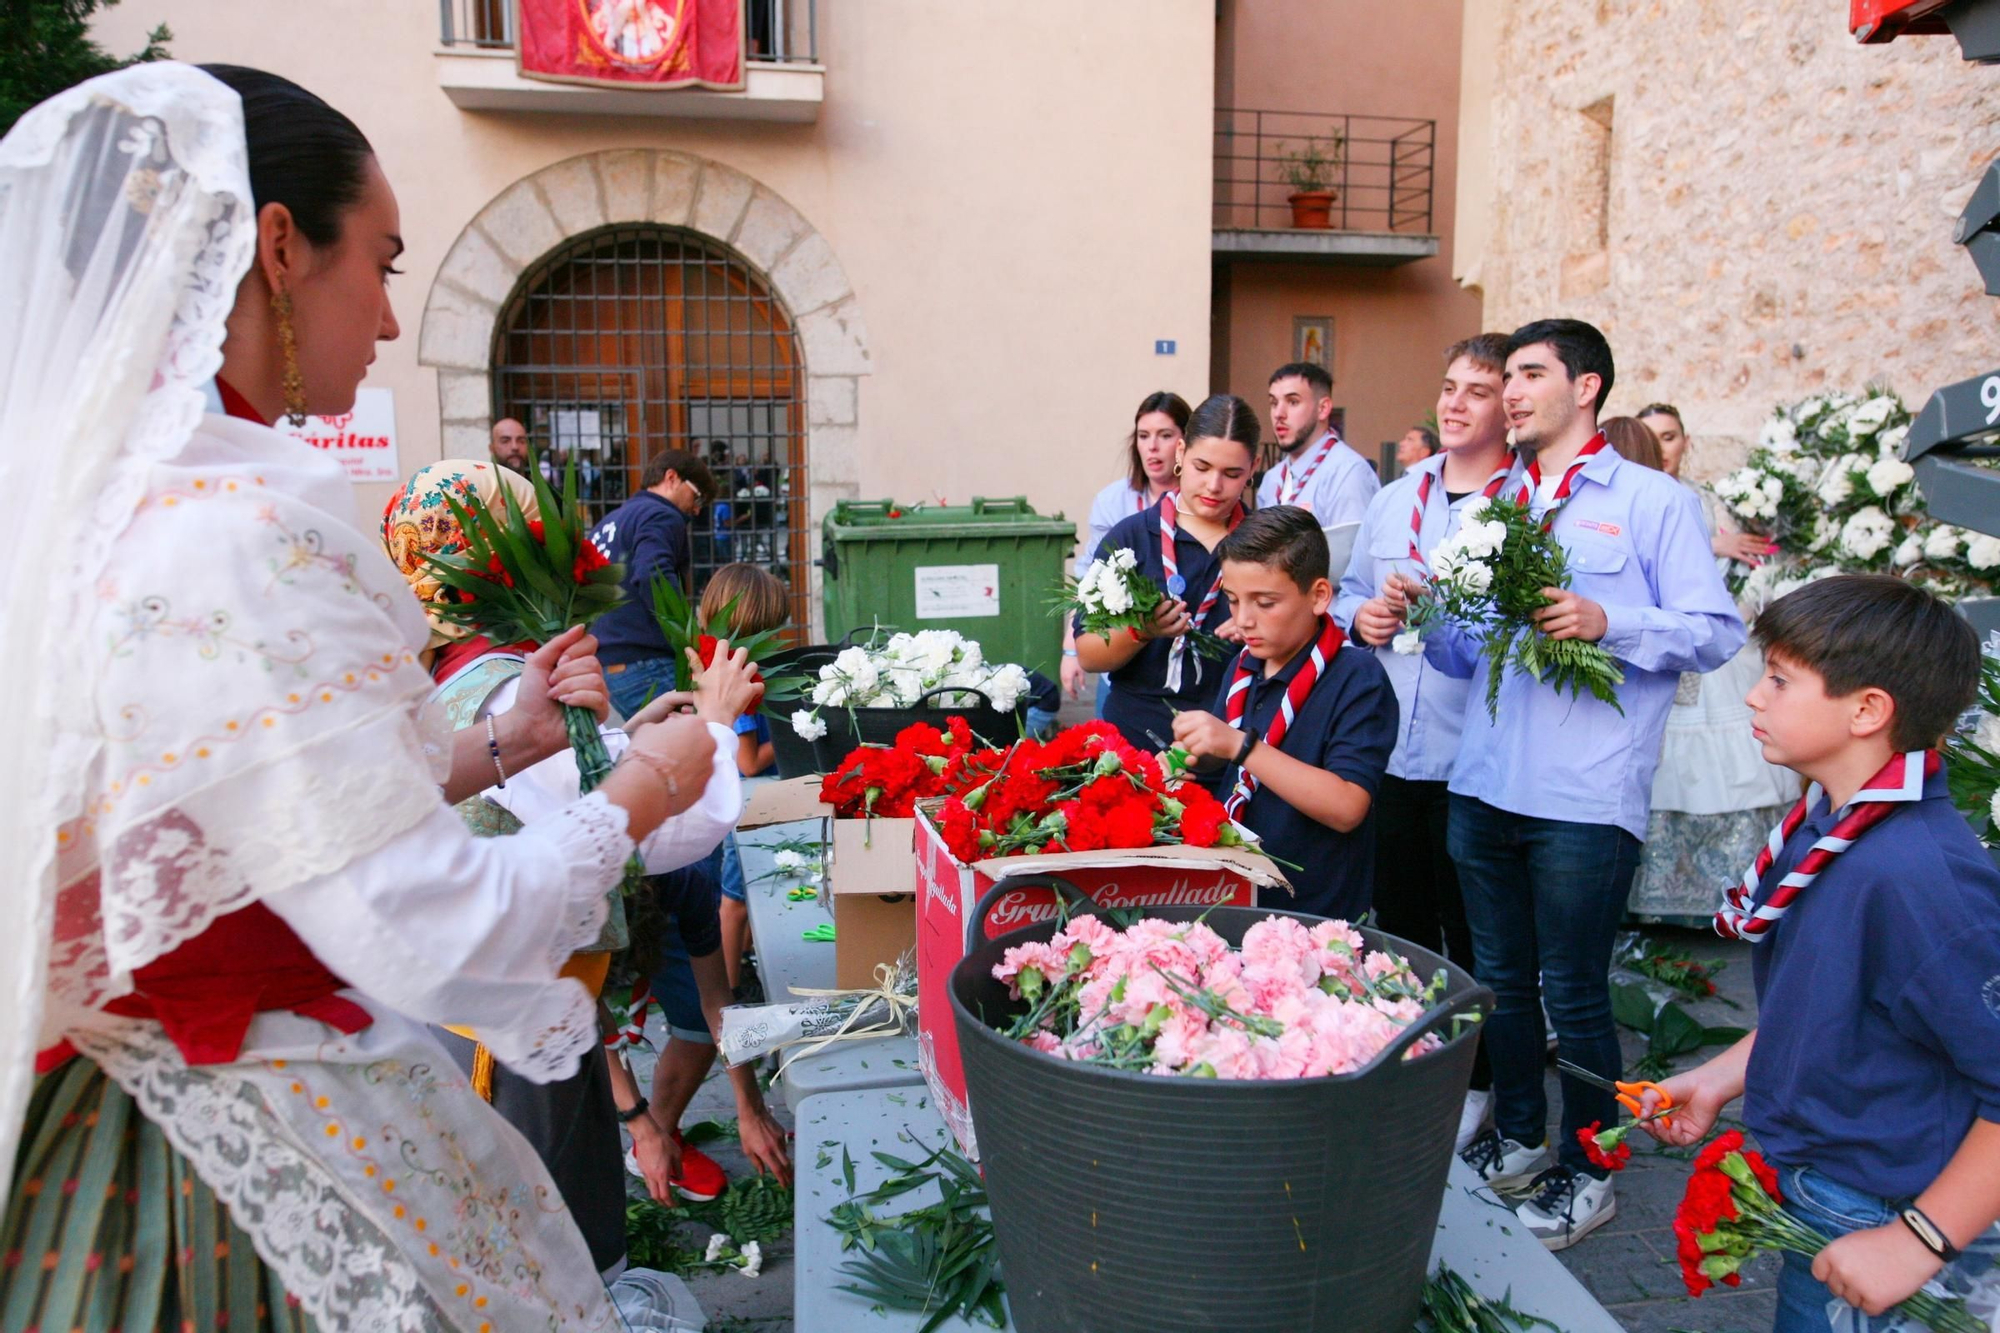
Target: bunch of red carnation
{"x":889,"y":780}
{"x":1732,"y":1211}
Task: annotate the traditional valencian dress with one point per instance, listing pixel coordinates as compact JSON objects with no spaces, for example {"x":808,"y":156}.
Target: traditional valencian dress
{"x":234,"y":894}
{"x":572,"y":1124}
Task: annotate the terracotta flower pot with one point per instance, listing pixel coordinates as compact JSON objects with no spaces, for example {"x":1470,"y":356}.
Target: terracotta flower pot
{"x":1312,"y":208}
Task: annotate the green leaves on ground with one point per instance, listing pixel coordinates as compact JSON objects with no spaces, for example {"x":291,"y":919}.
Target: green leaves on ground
{"x":937,"y":1260}
{"x":1670,"y":1030}
{"x":752,"y":1208}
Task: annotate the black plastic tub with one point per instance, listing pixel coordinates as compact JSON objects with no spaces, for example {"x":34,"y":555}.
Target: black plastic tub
{"x":1134,"y":1201}
{"x":795,"y":755}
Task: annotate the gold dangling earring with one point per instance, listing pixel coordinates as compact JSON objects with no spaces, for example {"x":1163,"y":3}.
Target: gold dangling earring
{"x":293,"y":383}
{"x":1177,"y":469}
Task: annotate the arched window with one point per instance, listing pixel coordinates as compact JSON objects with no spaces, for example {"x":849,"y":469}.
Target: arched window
{"x":633,"y":339}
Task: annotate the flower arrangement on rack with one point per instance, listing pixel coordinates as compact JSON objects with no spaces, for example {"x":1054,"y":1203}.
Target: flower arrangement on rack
{"x":898,"y":671}
{"x":1488,"y":577}
{"x":1084,"y":789}
{"x":1173,"y":998}
{"x":1973,"y":775}
{"x":1826,"y":482}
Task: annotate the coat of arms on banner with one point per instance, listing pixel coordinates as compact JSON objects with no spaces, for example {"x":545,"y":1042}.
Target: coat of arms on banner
{"x":633,"y":43}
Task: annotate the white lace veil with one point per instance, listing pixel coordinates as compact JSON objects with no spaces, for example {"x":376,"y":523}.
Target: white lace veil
{"x":126,"y":224}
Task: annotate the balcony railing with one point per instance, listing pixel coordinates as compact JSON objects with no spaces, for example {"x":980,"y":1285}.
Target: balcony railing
{"x":1381,"y":168}
{"x":779,"y":32}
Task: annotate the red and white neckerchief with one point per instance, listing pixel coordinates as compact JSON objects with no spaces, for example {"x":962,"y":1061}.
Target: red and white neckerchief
{"x":1177,"y":586}
{"x":1899,"y":782}
{"x":1289,"y":489}
{"x":1533,"y":481}
{"x":1491,"y":489}
{"x":1247,"y":669}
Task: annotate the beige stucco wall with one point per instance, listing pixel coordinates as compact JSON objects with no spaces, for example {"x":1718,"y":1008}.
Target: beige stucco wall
{"x":1019,"y":205}
{"x":1390,"y":325}
{"x":1780,"y":200}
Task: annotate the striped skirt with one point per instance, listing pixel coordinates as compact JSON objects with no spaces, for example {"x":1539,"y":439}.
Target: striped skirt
{"x":108,"y":1228}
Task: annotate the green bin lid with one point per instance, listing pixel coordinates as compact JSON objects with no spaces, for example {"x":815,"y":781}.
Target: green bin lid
{"x":870,"y":520}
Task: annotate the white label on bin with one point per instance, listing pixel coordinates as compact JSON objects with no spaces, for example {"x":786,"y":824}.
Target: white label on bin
{"x":950,"y":592}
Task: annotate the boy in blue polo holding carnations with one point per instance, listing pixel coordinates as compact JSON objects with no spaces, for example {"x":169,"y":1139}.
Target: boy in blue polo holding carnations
{"x":1307,"y":718}
{"x":1873,"y":1078}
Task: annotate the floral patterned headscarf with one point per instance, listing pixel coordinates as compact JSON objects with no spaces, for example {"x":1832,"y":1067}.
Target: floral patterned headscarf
{"x":418,"y":523}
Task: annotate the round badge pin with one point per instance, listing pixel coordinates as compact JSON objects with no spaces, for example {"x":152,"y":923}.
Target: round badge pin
{"x":1176,"y":585}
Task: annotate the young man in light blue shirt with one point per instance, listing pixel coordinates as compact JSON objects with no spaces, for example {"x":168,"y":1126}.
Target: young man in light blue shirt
{"x":1316,"y":470}
{"x":1549,"y":795}
{"x":1416,"y":887}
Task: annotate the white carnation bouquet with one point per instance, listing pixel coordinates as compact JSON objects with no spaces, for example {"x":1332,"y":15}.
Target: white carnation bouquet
{"x":1973,"y":775}
{"x":1488,"y":577}
{"x":903,"y":669}
{"x":1115,"y":596}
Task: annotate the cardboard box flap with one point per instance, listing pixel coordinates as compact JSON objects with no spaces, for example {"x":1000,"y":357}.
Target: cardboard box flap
{"x":1258,"y":869}
{"x":886,"y":862}
{"x":784,"y":802}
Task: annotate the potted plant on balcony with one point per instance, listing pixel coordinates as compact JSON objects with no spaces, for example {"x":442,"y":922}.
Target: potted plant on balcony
{"x":1309,"y":171}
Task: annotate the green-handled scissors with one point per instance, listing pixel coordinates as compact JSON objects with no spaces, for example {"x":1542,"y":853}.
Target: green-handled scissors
{"x":1628,"y":1094}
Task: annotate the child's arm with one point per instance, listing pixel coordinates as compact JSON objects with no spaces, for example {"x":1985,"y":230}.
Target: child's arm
{"x":1877,"y":1268}
{"x":752,"y":755}
{"x":762,"y":1137}
{"x":1699,"y":1096}
{"x":1326,"y":797}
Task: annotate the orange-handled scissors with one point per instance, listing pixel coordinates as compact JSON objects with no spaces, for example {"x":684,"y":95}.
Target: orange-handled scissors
{"x":1628,"y":1094}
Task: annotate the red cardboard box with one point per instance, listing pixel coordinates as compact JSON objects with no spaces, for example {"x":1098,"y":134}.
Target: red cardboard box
{"x":948,"y":890}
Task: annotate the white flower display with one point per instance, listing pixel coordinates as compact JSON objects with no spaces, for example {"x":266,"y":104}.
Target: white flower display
{"x":1994,"y":813}
{"x":1865,"y":534}
{"x":1890,"y":441}
{"x":904,"y":670}
{"x":1943,"y":543}
{"x":1983,"y":552}
{"x":1779,"y":435}
{"x":1836,"y":485}
{"x":1870,"y":416}
{"x":1887,"y":476}
{"x":1988,"y":734}
{"x":1824,"y":532}
{"x":1909,"y":552}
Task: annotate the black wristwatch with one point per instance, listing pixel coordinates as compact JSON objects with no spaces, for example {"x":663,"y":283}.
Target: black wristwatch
{"x":1249,"y":744}
{"x":627,"y":1117}
{"x":1930,"y":1233}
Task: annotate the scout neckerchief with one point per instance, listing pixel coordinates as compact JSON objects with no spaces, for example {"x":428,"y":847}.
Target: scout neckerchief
{"x":1900,"y":781}
{"x":1247,"y":667}
{"x":1289,"y":489}
{"x":1177,"y":586}
{"x":1533,"y":481}
{"x":1491,"y":489}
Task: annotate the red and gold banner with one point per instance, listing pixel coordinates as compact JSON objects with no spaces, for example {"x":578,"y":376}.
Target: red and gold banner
{"x":633,"y":43}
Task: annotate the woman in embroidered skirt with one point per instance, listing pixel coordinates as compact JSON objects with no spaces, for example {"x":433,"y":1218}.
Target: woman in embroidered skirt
{"x":1714,"y":797}
{"x":235,"y":888}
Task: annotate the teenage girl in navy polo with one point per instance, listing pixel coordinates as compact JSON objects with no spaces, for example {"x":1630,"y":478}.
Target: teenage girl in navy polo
{"x":1158,"y":671}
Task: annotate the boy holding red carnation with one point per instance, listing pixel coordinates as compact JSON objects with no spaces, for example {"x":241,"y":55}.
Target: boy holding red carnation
{"x":1307,"y":719}
{"x":1873,"y":1079}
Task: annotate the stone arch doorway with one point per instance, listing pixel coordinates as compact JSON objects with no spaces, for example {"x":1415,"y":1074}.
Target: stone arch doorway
{"x":668,"y":211}
{"x":638,"y":338}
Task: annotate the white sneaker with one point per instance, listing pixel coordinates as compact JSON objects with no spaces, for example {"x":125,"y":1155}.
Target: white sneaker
{"x":1567,"y":1206}
{"x":1472,"y":1118}
{"x":1503,"y":1164}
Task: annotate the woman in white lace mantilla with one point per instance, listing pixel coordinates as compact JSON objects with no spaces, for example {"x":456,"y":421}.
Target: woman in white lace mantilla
{"x":238,"y":891}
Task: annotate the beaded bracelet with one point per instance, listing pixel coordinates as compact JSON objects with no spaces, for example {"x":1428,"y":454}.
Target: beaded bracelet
{"x":493,"y":748}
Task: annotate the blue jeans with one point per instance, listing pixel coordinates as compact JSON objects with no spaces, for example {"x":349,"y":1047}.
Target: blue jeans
{"x":1834,"y":1210}
{"x":1543,"y":898}
{"x":638,"y":682}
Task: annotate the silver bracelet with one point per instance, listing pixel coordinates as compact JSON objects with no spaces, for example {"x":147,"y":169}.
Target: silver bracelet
{"x":493,"y":748}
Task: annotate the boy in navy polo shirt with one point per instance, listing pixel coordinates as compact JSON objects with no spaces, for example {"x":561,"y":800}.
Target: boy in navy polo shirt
{"x":1873,"y":1078}
{"x":1307,"y":718}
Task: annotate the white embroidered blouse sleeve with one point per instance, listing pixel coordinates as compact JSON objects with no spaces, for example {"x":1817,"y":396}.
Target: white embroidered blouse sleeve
{"x":550,"y":786}
{"x":445,"y":927}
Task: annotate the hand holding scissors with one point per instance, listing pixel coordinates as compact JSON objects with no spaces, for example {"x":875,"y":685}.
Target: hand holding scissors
{"x":1628,"y":1094}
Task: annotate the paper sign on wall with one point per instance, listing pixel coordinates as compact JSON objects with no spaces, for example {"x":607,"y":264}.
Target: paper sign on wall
{"x":953,"y":592}
{"x":364,"y":439}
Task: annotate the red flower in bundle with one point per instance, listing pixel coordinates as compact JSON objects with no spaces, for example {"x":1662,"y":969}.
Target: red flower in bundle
{"x":1612,"y":1158}
{"x":535,"y":531}
{"x":959,"y":827}
{"x":1688,"y":1250}
{"x":588,"y":558}
{"x":497,"y":572}
{"x":1203,"y":816}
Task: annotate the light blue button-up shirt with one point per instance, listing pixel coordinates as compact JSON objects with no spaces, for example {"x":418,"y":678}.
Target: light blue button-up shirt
{"x":1431,"y":703}
{"x":1337,"y":492}
{"x":1637,"y":547}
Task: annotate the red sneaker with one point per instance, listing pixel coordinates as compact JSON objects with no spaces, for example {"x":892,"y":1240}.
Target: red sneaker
{"x":701,"y":1179}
